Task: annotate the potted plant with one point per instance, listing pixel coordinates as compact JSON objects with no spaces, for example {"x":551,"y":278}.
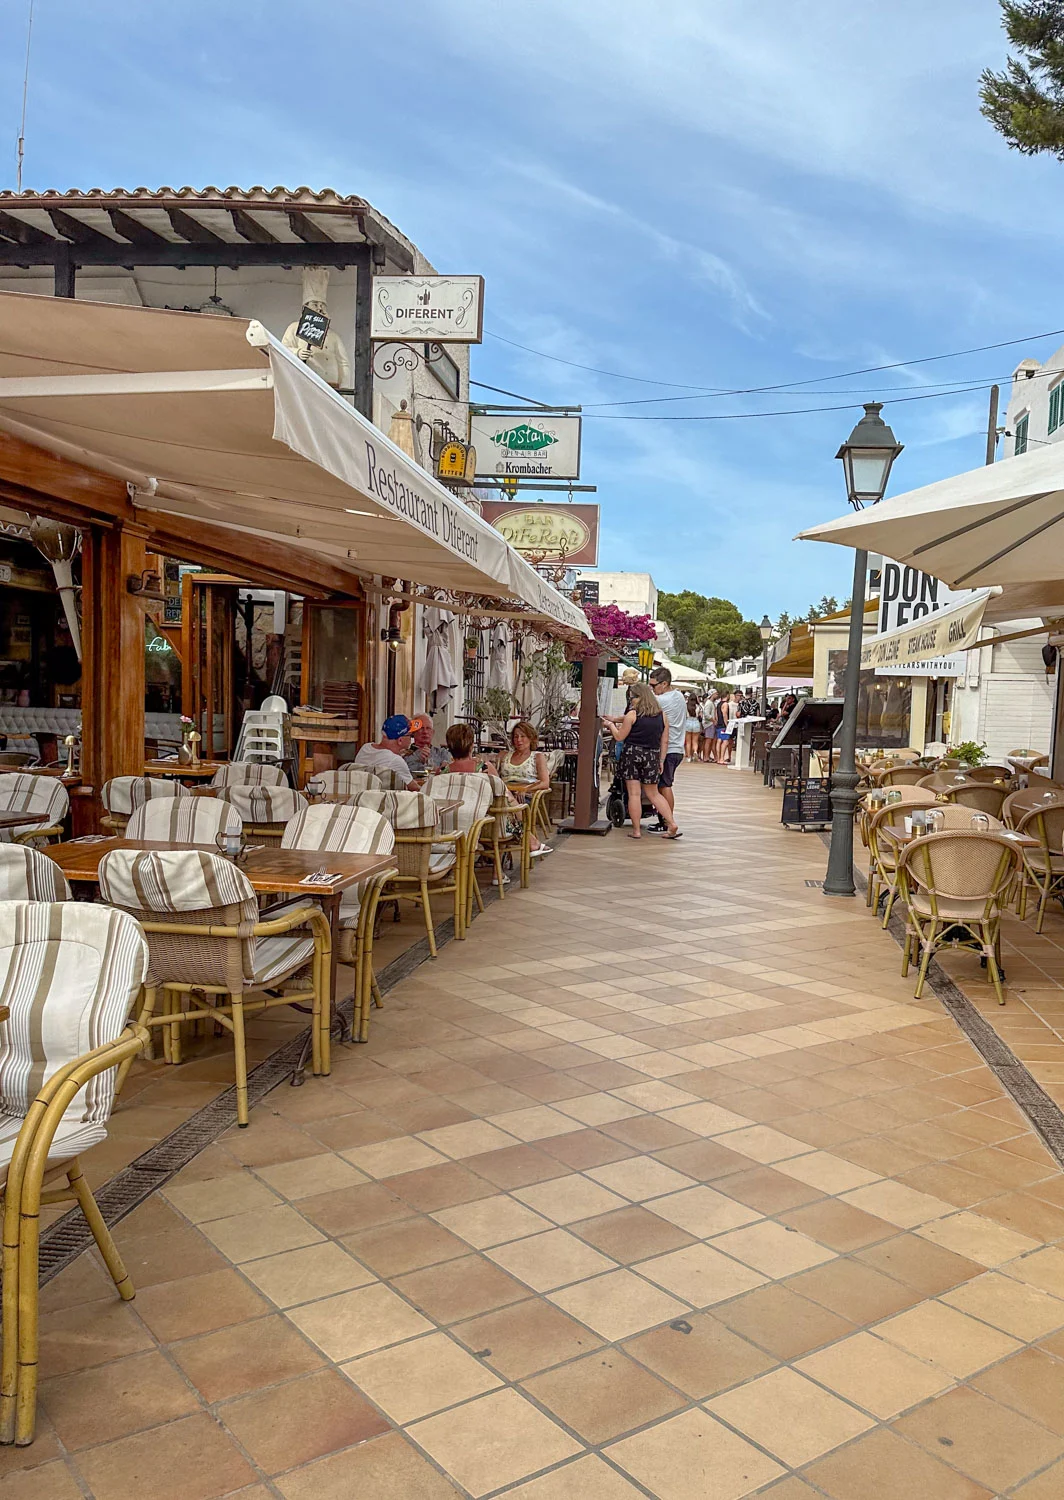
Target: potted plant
{"x":970,"y":752}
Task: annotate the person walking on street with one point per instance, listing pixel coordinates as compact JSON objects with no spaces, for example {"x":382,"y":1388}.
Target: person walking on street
{"x":694,"y":729}
{"x":673,"y":705}
{"x":709,"y":726}
{"x":643,"y":733}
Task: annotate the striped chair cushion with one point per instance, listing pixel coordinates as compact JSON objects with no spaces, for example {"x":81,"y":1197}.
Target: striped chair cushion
{"x":264,"y":804}
{"x":390,"y":780}
{"x":404,"y":810}
{"x":183,"y":820}
{"x":344,"y":782}
{"x":70,"y":1140}
{"x":28,"y":875}
{"x":277,"y":957}
{"x":243,"y":772}
{"x":124,"y":793}
{"x":169,"y":880}
{"x":36,"y":794}
{"x":344,"y":829}
{"x":473,"y":789}
{"x":69,"y":972}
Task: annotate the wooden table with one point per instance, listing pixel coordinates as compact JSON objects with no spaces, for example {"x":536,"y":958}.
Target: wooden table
{"x":201,"y":769}
{"x":20,"y":819}
{"x":902,"y":839}
{"x":271,"y":870}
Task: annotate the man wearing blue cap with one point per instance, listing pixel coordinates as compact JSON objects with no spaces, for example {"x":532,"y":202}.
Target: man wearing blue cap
{"x":387,"y":754}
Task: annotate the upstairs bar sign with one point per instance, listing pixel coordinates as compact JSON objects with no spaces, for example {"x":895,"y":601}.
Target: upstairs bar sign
{"x":427,"y":309}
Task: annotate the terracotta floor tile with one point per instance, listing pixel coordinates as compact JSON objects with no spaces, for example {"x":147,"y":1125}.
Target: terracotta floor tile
{"x":702,"y":1211}
{"x":491,"y":1221}
{"x":854,"y":1290}
{"x":767,"y":1190}
{"x":790,"y":1416}
{"x":265,"y":1231}
{"x":700,"y":1356}
{"x":350,"y":1209}
{"x":548,"y":1261}
{"x":898,"y":1204}
{"x":236,"y":1360}
{"x":639,"y":1178}
{"x":589,"y":1478}
{"x":630,"y":1234}
{"x":315,"y":1174}
{"x":219,"y":1197}
{"x":517,"y":1166}
{"x":469,"y":1139}
{"x":193,"y":1459}
{"x":603,"y":1395}
{"x":1043,"y":1268}
{"x":770,"y":1248}
{"x":172,"y":1255}
{"x":1023,"y":1311}
{"x":1027,"y":1215}
{"x":114,"y":1400}
{"x":941,"y":1335}
{"x":977,"y":1238}
{"x":93,"y":1334}
{"x":618,"y":1304}
{"x":700,"y":1275}
{"x":563,"y":1200}
{"x":305,"y":1419}
{"x":782,"y":1322}
{"x":198,"y":1304}
{"x":526,"y":1337}
{"x":405,"y":1245}
{"x":460,"y":1289}
{"x":52,"y":1481}
{"x":304,"y":1275}
{"x":355,"y":1322}
{"x":420,"y":1377}
{"x":438,"y":1187}
{"x":882,"y":1466}
{"x":404,"y":1153}
{"x":493,"y":1441}
{"x":653,"y":1096}
{"x":650,"y":1133}
{"x":993,"y":1444}
{"x":1045,"y":1486}
{"x":927,"y":1267}
{"x":693,"y":1457}
{"x":1030,"y":1383}
{"x":838,"y":1225}
{"x":829,"y":1173}
{"x":386,"y":1468}
{"x":875,"y":1375}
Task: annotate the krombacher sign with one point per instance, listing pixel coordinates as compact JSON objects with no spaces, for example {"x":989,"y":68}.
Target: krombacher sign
{"x":526,"y":445}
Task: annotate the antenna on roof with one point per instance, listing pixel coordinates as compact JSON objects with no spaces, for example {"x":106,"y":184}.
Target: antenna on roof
{"x":25,"y":90}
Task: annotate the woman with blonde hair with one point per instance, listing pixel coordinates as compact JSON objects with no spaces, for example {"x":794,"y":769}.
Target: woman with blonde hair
{"x":644,"y":734}
{"x":524,"y":769}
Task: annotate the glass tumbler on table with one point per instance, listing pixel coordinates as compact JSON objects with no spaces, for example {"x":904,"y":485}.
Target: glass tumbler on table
{"x":935,"y":819}
{"x":980,"y":823}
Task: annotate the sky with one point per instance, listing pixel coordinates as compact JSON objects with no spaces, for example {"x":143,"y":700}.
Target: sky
{"x":690,"y":194}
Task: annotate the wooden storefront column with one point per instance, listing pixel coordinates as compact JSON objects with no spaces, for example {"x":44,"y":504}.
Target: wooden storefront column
{"x":112,"y":697}
{"x":585,"y":818}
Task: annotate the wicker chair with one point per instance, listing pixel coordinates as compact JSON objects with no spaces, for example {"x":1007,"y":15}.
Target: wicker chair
{"x":183,"y":820}
{"x":390,"y":781}
{"x":979,"y":797}
{"x":329,"y":786}
{"x":1043,"y":867}
{"x":955,"y":817}
{"x":20,"y":792}
{"x":428,"y":859}
{"x":123,"y":794}
{"x":909,"y":775}
{"x":943,"y":781}
{"x":1025,"y":801}
{"x":205,"y":936}
{"x":264,"y":810}
{"x":350,"y":830}
{"x":70,"y":973}
{"x":992,"y":774}
{"x":244,"y":772}
{"x":28,"y":875}
{"x":883,"y":855}
{"x":952,"y":881}
{"x":907,"y":796}
{"x":473,"y":818}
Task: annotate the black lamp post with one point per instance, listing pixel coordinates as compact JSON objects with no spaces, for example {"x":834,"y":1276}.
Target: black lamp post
{"x":766,"y":635}
{"x":867,"y":456}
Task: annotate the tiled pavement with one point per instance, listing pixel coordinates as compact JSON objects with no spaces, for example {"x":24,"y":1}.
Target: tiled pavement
{"x":659,"y":1185}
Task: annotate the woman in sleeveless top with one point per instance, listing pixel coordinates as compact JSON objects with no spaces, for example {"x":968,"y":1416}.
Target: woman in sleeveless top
{"x":643,"y":732}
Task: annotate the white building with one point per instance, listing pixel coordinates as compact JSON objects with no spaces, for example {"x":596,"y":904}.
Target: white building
{"x":636,"y":594}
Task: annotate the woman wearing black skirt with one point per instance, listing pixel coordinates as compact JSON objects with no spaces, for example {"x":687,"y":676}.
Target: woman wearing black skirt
{"x":644,"y":733}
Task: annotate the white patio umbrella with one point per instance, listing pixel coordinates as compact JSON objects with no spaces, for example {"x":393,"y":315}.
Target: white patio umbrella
{"x":501,"y":658}
{"x":439,"y":675}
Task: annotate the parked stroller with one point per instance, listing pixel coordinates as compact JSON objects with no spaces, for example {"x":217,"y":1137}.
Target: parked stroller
{"x":617,"y":801}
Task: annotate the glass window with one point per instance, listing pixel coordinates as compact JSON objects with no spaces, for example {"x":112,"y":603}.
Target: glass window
{"x":1019,"y":442}
{"x":1054,"y":407}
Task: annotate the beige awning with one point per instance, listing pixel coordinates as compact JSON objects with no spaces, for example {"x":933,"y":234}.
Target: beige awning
{"x":211,"y":418}
{"x":942,"y":633}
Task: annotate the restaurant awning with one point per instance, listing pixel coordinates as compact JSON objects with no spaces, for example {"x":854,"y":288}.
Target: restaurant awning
{"x":942,"y":633}
{"x":213,"y":419}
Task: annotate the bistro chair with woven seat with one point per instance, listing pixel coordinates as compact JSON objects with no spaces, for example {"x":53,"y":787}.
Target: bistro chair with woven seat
{"x":183,"y":820}
{"x":206,"y":937}
{"x":941,"y":781}
{"x":1016,"y":804}
{"x":883,"y":855}
{"x":70,"y":973}
{"x":979,"y":797}
{"x":954,"y":883}
{"x":992,"y":774}
{"x":474,"y":793}
{"x":345,"y":781}
{"x":343,"y":829}
{"x":21,"y":792}
{"x":264,"y":811}
{"x":1043,"y":868}
{"x":389,"y":780}
{"x":908,"y":775}
{"x":428,"y":859}
{"x":246,"y":772}
{"x":123,"y":794}
{"x":902,"y":796}
{"x":29,"y":875}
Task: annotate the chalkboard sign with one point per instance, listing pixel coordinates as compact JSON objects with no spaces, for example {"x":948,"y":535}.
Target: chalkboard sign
{"x":313,"y":327}
{"x":806,"y":802}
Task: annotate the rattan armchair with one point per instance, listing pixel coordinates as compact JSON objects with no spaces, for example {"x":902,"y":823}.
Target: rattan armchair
{"x":183,"y":820}
{"x":979,"y":797}
{"x":906,"y":775}
{"x":956,"y":882}
{"x":69,"y":974}
{"x":265,"y":811}
{"x":905,"y":796}
{"x":883,"y":855}
{"x":248,"y":773}
{"x":474,"y":792}
{"x":206,"y":938}
{"x":1043,"y":867}
{"x":345,"y":781}
{"x":428,"y":859}
{"x":23,"y":792}
{"x":29,"y":875}
{"x":1016,"y":804}
{"x":122,"y":795}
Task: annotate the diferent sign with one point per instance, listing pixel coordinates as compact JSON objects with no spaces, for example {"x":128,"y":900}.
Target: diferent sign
{"x":427,"y":309}
{"x":549,"y":531}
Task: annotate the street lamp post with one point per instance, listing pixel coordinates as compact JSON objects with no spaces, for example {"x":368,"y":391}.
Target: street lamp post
{"x":867,"y":456}
{"x":766,"y":635}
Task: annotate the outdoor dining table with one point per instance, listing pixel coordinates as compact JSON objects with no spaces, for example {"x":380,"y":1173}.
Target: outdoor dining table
{"x":270,"y":869}
{"x":20,"y":819}
{"x":197,"y":772}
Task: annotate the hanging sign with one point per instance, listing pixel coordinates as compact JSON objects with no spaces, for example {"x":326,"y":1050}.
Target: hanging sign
{"x":428,"y":309}
{"x":518,"y":445}
{"x":312,"y":328}
{"x":910,"y":606}
{"x":456,"y":463}
{"x":551,"y":532}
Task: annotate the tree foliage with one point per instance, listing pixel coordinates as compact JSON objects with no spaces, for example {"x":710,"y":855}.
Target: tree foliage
{"x":1025,"y":101}
{"x":708,"y":626}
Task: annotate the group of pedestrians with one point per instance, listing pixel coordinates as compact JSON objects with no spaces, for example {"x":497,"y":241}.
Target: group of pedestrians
{"x":710,"y":727}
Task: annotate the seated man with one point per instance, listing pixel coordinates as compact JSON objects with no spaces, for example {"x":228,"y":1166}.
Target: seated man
{"x":387,"y":754}
{"x":424,"y":758}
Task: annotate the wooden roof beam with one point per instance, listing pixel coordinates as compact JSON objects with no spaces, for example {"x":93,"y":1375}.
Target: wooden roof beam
{"x":307,"y":230}
{"x":191,"y":229}
{"x":133,"y":230}
{"x":250,"y":228}
{"x":22,"y":234}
